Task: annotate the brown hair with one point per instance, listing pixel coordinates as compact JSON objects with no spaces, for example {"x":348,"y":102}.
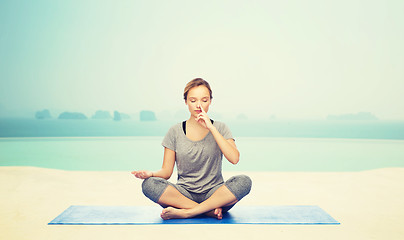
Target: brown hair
{"x":195,"y":83}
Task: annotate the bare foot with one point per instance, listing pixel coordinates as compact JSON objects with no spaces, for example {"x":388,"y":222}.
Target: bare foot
{"x":170,"y":213}
{"x":216,"y":213}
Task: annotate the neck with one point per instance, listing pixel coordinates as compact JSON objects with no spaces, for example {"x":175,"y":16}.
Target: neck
{"x":192,"y":120}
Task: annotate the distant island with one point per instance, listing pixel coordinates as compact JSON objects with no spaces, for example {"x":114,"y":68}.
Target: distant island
{"x":72,"y":115}
{"x":100,"y":114}
{"x":44,"y":114}
{"x":147,"y":116}
{"x":353,"y":116}
{"x":118,"y":116}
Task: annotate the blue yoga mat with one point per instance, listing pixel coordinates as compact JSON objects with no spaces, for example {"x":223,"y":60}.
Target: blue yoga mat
{"x":144,"y":215}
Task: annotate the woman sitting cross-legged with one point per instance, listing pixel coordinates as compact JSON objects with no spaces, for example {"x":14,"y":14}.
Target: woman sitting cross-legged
{"x":197,"y":147}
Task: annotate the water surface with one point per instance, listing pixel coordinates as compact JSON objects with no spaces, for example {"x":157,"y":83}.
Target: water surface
{"x":257,"y":153}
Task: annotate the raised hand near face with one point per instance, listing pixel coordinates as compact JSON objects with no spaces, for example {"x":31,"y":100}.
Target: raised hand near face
{"x":203,"y":119}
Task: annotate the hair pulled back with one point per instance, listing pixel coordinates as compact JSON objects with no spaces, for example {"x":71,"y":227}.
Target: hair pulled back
{"x":195,"y":83}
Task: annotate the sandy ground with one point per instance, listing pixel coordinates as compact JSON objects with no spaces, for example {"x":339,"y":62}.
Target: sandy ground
{"x":369,"y":205}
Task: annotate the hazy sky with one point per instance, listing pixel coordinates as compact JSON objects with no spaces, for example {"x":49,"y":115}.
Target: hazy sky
{"x":292,"y":59}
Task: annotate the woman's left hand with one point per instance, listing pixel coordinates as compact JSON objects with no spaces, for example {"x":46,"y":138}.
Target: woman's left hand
{"x":203,"y":119}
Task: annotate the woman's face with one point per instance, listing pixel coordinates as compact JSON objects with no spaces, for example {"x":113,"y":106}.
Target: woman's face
{"x":198,"y":96}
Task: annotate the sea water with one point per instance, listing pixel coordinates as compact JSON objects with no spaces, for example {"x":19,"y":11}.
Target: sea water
{"x":276,"y":145}
{"x":250,"y":128}
{"x":257,"y":153}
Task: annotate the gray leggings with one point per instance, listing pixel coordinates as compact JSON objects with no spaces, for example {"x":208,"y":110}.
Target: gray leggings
{"x":239,"y":185}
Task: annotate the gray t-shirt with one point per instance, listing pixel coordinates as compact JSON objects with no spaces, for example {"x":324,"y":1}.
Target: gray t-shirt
{"x":199,"y":163}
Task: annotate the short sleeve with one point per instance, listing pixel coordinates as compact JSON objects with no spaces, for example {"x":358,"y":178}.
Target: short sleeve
{"x":169,"y":140}
{"x":225,"y":131}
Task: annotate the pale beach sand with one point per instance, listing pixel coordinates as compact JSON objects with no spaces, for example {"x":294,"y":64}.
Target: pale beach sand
{"x":368,"y":204}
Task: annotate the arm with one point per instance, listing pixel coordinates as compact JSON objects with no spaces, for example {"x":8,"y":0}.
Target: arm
{"x":227,"y":146}
{"x":165,"y":171}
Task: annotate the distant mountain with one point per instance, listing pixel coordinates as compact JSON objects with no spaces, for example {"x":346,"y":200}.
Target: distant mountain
{"x":353,"y":116}
{"x":44,"y":114}
{"x":100,"y":114}
{"x":72,"y":115}
{"x":118,"y":116}
{"x":147,"y":116}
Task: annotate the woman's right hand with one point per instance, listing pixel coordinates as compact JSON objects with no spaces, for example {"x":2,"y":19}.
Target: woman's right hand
{"x":142,"y":174}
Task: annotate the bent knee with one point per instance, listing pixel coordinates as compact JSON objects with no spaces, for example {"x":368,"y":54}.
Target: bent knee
{"x":239,"y":185}
{"x":154,"y":187}
{"x":246,"y":182}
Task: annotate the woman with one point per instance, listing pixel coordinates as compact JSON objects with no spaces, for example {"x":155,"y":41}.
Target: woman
{"x":197,"y":147}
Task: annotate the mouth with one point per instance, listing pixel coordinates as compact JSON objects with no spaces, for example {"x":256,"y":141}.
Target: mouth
{"x":198,"y":111}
